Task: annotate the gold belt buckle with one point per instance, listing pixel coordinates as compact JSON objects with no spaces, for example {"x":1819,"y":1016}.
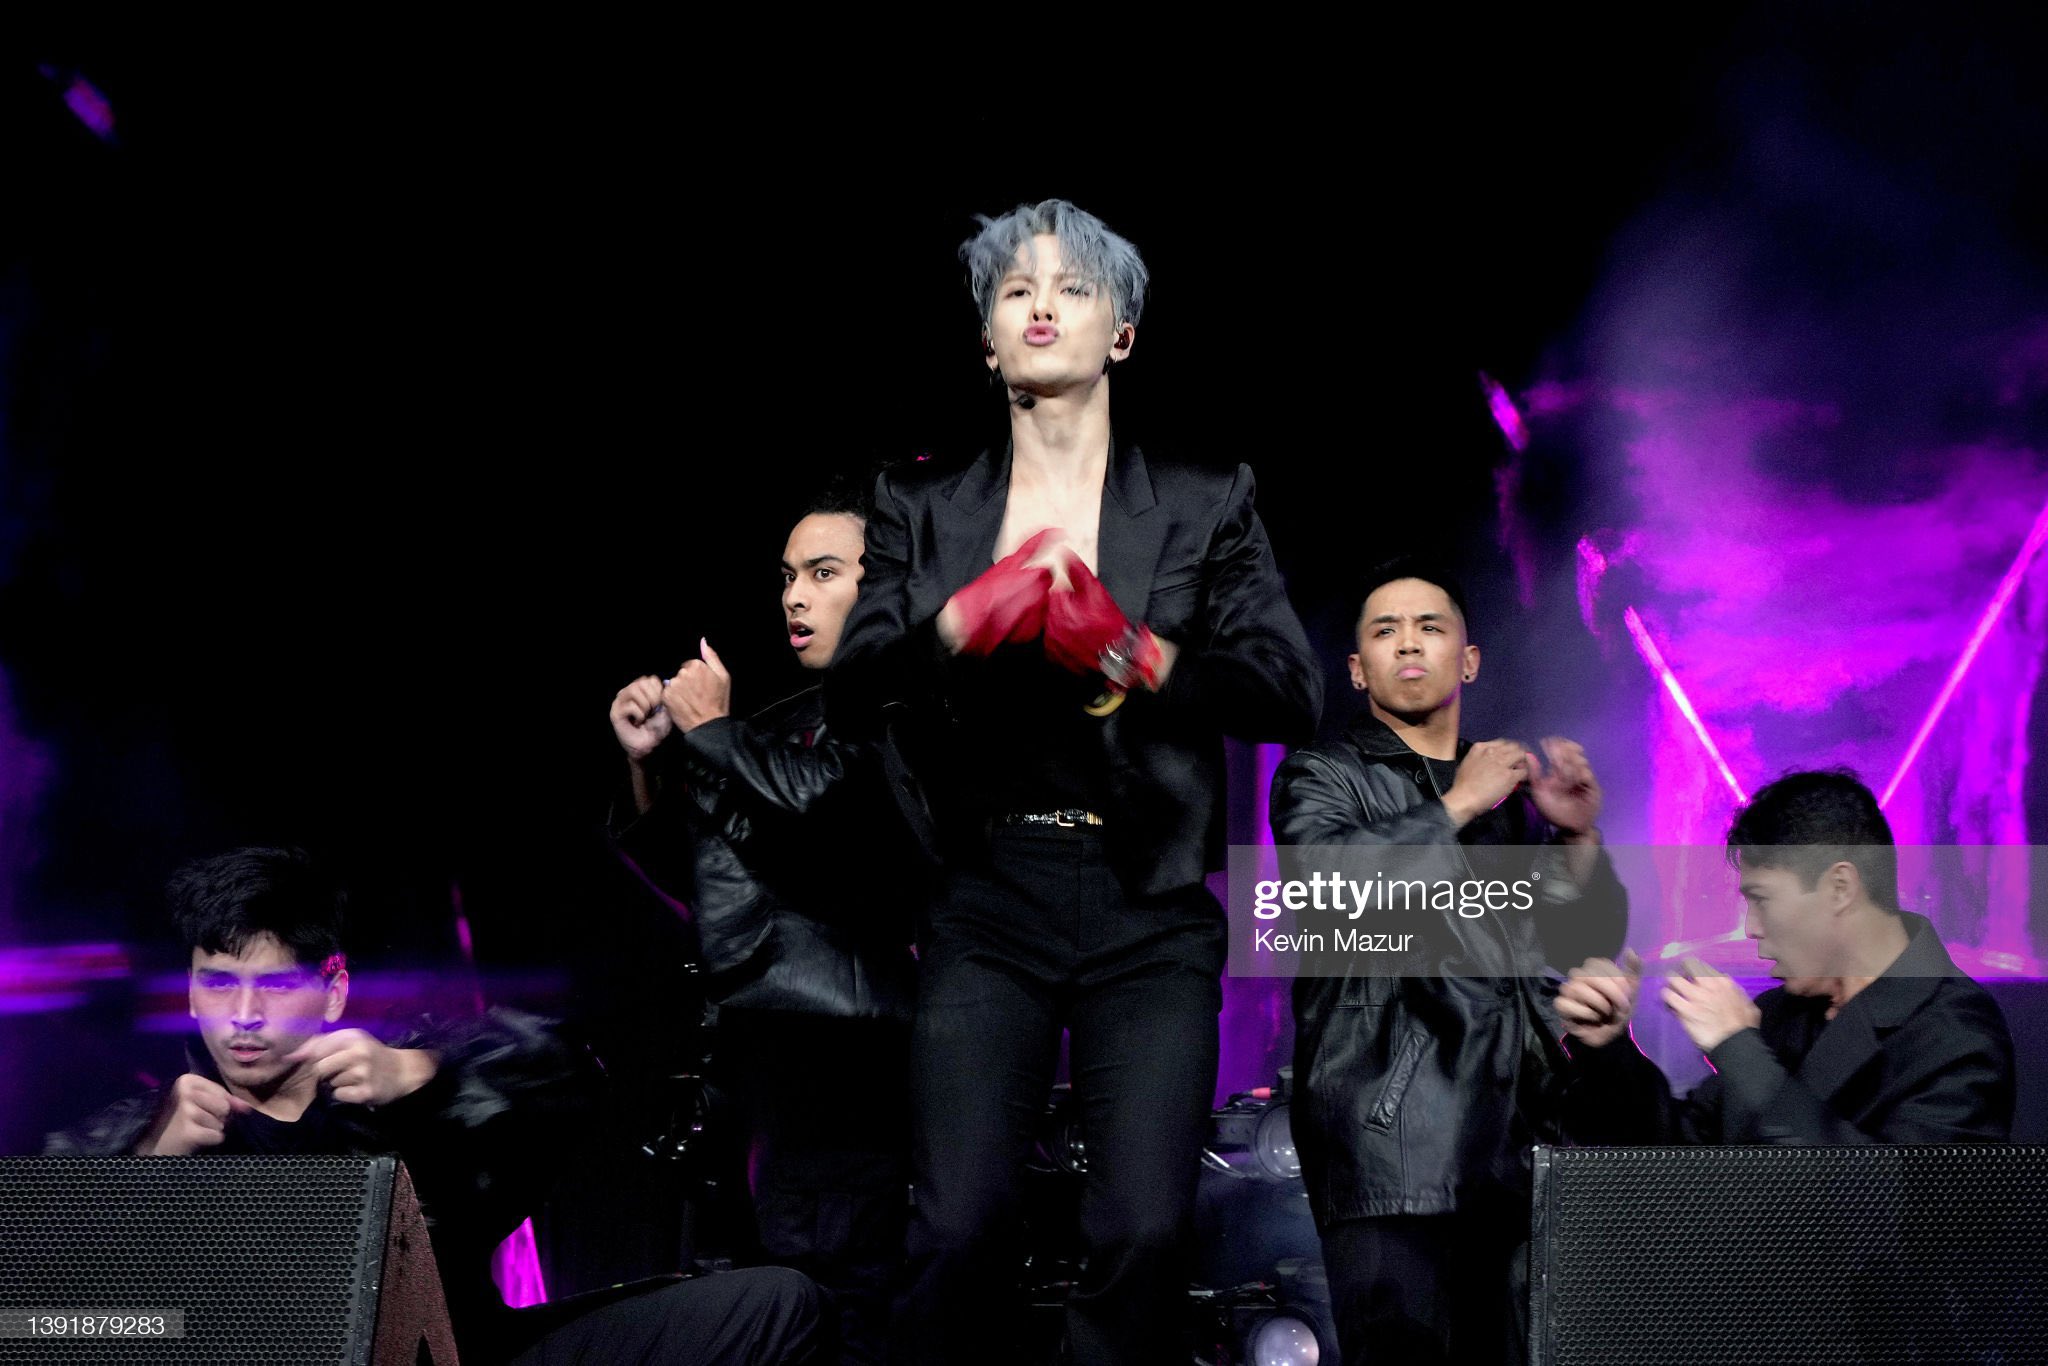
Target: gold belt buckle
{"x":1059,"y":818}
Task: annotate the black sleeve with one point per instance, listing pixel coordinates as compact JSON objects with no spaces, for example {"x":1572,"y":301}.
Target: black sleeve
{"x":1616,"y":1096}
{"x":485,"y":1137}
{"x":1250,"y":673}
{"x":770,"y":769}
{"x":113,"y":1132}
{"x":1312,"y":804}
{"x":1322,"y":825}
{"x":884,"y":659}
{"x":1591,"y":924}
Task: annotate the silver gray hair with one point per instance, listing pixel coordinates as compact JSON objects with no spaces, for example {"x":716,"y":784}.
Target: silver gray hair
{"x":1087,"y":249}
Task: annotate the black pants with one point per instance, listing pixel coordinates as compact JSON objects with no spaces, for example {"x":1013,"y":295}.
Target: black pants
{"x":825,"y":1105}
{"x":1423,"y":1289}
{"x":1040,"y":938}
{"x":762,"y":1317}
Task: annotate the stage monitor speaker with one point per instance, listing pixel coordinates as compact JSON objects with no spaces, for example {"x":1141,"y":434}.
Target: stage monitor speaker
{"x":1855,"y":1255}
{"x":216,"y":1261}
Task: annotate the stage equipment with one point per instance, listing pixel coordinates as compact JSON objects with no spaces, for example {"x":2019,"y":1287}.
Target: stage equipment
{"x":1852,"y":1255}
{"x":217,"y":1261}
{"x":1252,"y":1137}
{"x":1260,"y":1292}
{"x":1281,"y":1320}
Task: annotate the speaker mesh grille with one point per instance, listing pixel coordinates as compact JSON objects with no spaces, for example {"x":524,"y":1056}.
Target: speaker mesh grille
{"x":259,"y":1252}
{"x":1731,"y":1255}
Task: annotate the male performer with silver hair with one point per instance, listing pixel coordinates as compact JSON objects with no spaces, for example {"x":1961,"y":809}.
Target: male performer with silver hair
{"x":1057,"y":637}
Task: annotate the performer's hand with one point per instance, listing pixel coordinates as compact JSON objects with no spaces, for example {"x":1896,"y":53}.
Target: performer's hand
{"x":701,"y":690}
{"x":1007,"y":603}
{"x":1489,"y":771}
{"x":1565,"y":790}
{"x":1598,"y":998}
{"x":361,"y":1070}
{"x":1083,"y":619}
{"x":1711,"y":1007}
{"x":194,"y":1118}
{"x":638,"y":719}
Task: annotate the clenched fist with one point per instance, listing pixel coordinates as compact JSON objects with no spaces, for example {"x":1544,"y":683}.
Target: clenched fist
{"x":701,"y":690}
{"x":638,"y":719}
{"x":194,"y":1117}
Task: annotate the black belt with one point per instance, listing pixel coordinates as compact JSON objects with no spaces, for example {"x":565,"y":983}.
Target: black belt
{"x":1071,"y":818}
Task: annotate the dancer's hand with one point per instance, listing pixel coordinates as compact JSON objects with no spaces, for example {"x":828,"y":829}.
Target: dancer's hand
{"x":1598,"y":998}
{"x":1565,"y":790}
{"x":1489,"y":771}
{"x":701,"y":690}
{"x":362,"y":1069}
{"x":1711,"y":1007}
{"x":638,"y":719}
{"x":194,"y":1117}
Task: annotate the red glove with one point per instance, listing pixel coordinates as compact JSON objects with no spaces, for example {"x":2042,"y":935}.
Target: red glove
{"x":1007,"y":603}
{"x":1081,"y":624}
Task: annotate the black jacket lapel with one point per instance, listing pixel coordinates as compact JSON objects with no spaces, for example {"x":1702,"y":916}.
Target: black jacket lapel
{"x":1850,"y":1040}
{"x":966,"y":531}
{"x":1844,"y":1048}
{"x":1131,"y":533}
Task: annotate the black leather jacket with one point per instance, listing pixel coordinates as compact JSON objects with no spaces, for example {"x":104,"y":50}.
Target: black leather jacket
{"x":1180,"y":549}
{"x":483,"y":1140}
{"x":797,"y":872}
{"x":1421,"y":1090}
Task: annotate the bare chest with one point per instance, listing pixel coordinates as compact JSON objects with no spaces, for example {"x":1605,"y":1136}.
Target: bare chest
{"x":1078,"y":514}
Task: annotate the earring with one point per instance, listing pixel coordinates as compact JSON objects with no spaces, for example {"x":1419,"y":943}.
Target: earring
{"x":1469,"y":677}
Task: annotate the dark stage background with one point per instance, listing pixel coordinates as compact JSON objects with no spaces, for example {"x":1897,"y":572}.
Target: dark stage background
{"x":370,"y":411}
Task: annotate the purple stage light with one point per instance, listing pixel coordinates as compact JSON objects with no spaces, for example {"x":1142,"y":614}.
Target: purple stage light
{"x":1592,"y":566}
{"x":467,"y":942}
{"x":1652,"y":656}
{"x":515,"y":1268}
{"x":1515,"y":536}
{"x":1506,"y":415}
{"x":85,"y":102}
{"x":2007,"y":586}
{"x":53,"y":977}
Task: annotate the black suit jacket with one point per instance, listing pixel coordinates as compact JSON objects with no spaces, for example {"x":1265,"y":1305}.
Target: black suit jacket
{"x":1181,"y":550}
{"x":1921,"y":1055}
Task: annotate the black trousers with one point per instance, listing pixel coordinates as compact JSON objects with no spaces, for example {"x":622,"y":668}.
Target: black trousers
{"x":1424,"y":1289}
{"x":762,"y":1317}
{"x":825,"y":1106}
{"x":1044,"y":937}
